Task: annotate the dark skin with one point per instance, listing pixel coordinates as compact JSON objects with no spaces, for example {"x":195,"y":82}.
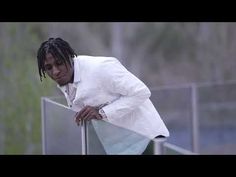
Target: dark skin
{"x":64,"y":74}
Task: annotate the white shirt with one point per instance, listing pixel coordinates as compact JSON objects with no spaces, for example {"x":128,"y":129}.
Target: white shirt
{"x":104,"y":80}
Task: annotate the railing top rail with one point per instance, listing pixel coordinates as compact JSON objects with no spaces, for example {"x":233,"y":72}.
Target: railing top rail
{"x":197,"y":84}
{"x":178,"y":149}
{"x":49,"y":99}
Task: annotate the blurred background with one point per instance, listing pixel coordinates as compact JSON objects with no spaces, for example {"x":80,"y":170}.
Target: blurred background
{"x":189,"y":67}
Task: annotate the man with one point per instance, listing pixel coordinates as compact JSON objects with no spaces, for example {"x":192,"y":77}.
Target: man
{"x":100,"y":88}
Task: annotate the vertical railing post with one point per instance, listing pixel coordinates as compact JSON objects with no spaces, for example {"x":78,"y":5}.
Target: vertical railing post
{"x":84,"y":137}
{"x":43,"y":129}
{"x":87,"y":137}
{"x":2,"y":138}
{"x":158,"y":146}
{"x":195,"y":119}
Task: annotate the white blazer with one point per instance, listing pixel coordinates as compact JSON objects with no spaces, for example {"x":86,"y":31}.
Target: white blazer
{"x":104,"y":80}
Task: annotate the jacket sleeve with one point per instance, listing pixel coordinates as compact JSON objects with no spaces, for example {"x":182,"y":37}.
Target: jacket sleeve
{"x":130,"y":90}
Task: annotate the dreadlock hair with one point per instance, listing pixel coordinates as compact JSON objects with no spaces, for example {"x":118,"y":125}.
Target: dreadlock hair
{"x":58,"y":48}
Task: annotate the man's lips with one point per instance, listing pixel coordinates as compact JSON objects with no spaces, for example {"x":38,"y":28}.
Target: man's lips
{"x":59,"y":78}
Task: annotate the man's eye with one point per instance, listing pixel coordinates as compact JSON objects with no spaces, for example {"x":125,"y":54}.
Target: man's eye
{"x":48,"y":67}
{"x":59,"y":62}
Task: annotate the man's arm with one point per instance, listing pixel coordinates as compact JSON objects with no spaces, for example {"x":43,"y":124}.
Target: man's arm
{"x":133,"y":92}
{"x":118,"y":80}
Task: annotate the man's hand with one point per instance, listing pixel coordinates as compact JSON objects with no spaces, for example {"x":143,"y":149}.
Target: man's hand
{"x":87,"y":113}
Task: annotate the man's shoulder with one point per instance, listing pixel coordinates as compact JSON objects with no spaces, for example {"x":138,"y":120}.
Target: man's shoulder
{"x":95,"y":60}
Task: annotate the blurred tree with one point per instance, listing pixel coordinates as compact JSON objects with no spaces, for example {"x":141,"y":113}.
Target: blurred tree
{"x":21,"y":89}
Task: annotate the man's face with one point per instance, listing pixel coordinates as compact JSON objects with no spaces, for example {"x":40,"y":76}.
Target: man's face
{"x":57,"y":70}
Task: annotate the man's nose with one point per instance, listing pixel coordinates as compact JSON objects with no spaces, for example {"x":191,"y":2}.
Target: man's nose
{"x":55,"y":71}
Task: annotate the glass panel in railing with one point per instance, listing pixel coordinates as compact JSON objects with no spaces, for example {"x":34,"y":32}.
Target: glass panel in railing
{"x":94,"y":145}
{"x":59,"y":99}
{"x":61,"y":135}
{"x":171,"y":149}
{"x":175,"y":107}
{"x":106,"y":138}
{"x":217,"y":116}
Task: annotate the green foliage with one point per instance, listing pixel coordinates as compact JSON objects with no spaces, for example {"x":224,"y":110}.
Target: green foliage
{"x":21,"y":90}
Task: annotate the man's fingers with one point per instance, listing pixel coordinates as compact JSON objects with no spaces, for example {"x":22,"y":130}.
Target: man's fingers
{"x":85,"y":112}
{"x":77,"y":119}
{"x":98,"y":116}
{"x":81,"y":111}
{"x":88,"y":116}
{"x":92,"y":115}
{"x":78,"y":115}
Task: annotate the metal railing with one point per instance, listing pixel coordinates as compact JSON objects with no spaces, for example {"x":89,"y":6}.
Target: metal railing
{"x":61,"y":135}
{"x":200,"y":116}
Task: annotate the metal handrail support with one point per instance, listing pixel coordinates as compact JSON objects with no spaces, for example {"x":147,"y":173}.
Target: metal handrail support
{"x":158,"y":146}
